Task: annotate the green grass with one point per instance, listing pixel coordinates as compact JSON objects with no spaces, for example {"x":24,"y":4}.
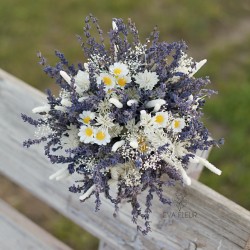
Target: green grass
{"x":29,"y":26}
{"x":44,"y":25}
{"x":230,"y":112}
{"x":73,"y":235}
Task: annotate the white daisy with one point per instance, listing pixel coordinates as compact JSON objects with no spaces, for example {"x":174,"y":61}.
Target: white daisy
{"x":86,"y":117}
{"x":86,"y":134}
{"x":147,"y":80}
{"x":82,"y":81}
{"x":178,"y":124}
{"x":160,"y":119}
{"x":119,"y":69}
{"x":101,"y":136}
{"x":107,"y":79}
{"x":123,"y":80}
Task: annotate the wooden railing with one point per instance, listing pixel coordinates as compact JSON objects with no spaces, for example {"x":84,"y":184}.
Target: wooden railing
{"x":204,"y":219}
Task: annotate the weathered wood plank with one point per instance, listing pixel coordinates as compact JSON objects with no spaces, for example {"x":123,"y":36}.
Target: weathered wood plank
{"x":194,"y":172}
{"x":218,"y":224}
{"x":18,"y":232}
{"x":105,"y":246}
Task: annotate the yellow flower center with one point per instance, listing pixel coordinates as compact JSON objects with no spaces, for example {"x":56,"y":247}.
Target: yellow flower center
{"x":143,"y":147}
{"x":117,"y":71}
{"x":121,"y":82}
{"x":159,"y":119}
{"x":88,"y":132}
{"x":86,"y":119}
{"x":141,"y":140}
{"x":107,"y":80}
{"x":177,"y":124}
{"x":100,"y":136}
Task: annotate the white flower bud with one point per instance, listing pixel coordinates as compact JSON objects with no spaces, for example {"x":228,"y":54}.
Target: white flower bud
{"x":208,"y":165}
{"x":87,"y":193}
{"x":185,"y":177}
{"x":62,"y":176}
{"x":116,"y":102}
{"x":65,"y":76}
{"x":157,"y":107}
{"x":178,"y":166}
{"x":114,"y":26}
{"x":151,"y":104}
{"x":60,"y":108}
{"x":59,"y":173}
{"x":117,"y":145}
{"x":41,"y":109}
{"x":132,"y":101}
{"x":197,"y":67}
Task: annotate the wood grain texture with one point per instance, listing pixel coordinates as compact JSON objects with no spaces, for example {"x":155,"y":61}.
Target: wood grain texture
{"x":18,"y":232}
{"x":105,"y":246}
{"x":199,"y":219}
{"x":194,"y":171}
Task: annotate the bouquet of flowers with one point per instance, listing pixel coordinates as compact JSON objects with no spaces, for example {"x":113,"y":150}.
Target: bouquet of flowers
{"x":127,"y":117}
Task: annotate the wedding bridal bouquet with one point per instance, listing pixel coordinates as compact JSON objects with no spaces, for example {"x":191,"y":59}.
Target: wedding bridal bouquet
{"x":127,"y":117}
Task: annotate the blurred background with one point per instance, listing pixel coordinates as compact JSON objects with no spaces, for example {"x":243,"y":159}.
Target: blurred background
{"x":216,"y":30}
